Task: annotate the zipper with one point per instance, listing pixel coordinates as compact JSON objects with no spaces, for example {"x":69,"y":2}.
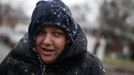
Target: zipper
{"x":43,"y":68}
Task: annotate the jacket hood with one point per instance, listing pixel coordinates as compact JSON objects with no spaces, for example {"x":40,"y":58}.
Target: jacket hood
{"x":55,"y":12}
{"x":52,"y":12}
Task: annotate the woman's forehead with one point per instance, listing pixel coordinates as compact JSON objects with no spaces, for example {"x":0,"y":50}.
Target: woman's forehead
{"x":52,"y":27}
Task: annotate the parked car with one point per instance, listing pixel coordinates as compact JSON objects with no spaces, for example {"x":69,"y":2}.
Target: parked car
{"x":13,"y":35}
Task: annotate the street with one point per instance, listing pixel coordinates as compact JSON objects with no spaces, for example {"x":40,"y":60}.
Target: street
{"x":118,"y":69}
{"x":3,"y":51}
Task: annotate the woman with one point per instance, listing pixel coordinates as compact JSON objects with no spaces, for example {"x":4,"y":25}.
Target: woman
{"x":55,"y":45}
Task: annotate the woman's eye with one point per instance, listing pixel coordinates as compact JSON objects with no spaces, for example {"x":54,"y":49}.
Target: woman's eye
{"x":58,"y":34}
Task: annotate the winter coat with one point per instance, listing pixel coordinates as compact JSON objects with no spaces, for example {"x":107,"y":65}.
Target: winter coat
{"x":74,"y":60}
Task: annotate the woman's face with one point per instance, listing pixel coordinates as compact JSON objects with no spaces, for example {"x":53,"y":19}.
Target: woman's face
{"x":50,"y":42}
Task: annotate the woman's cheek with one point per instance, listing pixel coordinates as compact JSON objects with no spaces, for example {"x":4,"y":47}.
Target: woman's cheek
{"x":39,"y":40}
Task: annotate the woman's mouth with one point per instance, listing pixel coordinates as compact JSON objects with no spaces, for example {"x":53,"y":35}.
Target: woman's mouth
{"x":47,"y":52}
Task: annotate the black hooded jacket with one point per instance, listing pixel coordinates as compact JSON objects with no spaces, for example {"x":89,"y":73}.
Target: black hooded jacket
{"x":74,"y":60}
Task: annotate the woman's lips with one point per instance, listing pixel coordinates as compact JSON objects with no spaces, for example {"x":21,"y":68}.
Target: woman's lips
{"x":47,"y":52}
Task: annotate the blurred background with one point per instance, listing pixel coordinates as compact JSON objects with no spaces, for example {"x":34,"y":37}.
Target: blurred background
{"x":108,"y":25}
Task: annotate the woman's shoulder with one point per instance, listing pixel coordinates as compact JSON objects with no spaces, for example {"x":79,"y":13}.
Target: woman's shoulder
{"x":89,"y":57}
{"x":18,"y":53}
{"x":93,"y":64}
{"x":90,"y":60}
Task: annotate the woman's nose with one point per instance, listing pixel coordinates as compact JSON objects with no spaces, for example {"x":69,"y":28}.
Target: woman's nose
{"x":47,"y":40}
